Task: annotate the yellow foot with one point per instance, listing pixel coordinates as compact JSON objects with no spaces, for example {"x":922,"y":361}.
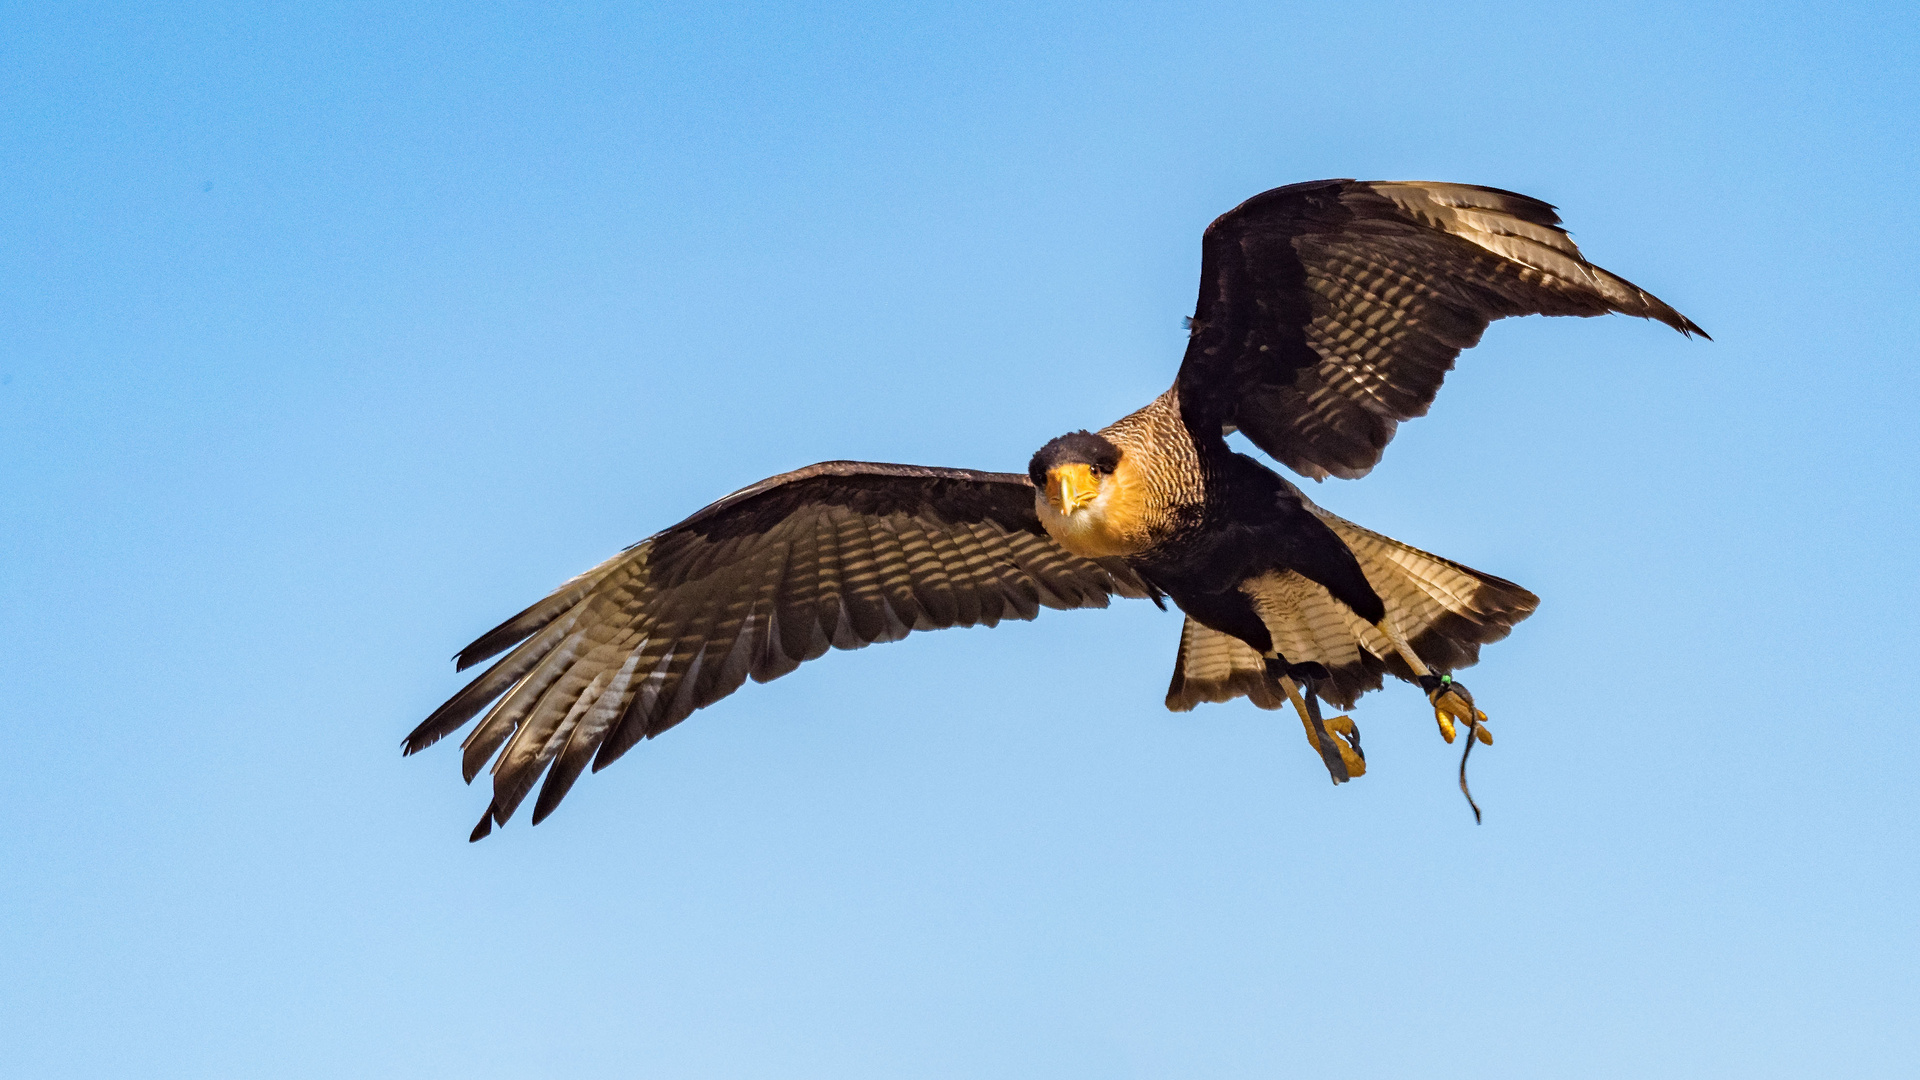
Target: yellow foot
{"x":1345,"y":748}
{"x":1339,"y":749}
{"x":1346,"y":739}
{"x":1453,"y":703}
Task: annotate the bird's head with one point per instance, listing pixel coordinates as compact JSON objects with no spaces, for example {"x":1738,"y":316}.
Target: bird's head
{"x":1082,"y":488}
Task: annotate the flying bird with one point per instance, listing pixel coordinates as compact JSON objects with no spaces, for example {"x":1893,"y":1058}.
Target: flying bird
{"x":1328,"y":313}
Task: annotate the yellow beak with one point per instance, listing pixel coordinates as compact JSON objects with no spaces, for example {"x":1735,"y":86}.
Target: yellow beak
{"x":1070,"y":487}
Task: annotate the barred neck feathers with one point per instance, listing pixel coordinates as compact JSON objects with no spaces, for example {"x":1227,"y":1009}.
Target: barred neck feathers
{"x":1166,"y":461}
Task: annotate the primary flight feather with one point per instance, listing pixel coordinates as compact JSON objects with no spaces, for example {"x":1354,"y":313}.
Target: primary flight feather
{"x":1328,"y":313}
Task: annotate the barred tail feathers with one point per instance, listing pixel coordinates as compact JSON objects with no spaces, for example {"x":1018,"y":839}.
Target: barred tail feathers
{"x":1212,"y":666}
{"x":1446,"y":610}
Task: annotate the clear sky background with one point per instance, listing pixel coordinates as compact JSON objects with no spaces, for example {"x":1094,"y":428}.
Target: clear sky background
{"x":331,"y":335}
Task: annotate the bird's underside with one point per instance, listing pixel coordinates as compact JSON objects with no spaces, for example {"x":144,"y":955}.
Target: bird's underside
{"x":1328,"y":313}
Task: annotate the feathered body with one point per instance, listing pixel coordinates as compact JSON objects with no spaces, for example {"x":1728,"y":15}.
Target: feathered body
{"x":1247,"y":557}
{"x":1197,"y":519}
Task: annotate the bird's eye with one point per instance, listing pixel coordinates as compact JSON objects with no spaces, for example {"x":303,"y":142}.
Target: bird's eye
{"x":1101,"y":470}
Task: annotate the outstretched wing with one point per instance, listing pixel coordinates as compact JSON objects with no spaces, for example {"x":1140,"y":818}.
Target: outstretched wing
{"x":840,"y":554}
{"x":1331,"y":311}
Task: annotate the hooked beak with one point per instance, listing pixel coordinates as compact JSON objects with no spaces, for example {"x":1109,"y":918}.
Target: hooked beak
{"x":1071,"y":487}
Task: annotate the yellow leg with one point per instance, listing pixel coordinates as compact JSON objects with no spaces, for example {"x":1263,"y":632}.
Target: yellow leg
{"x":1451,"y":701}
{"x":1336,"y":740}
{"x":1401,"y":646}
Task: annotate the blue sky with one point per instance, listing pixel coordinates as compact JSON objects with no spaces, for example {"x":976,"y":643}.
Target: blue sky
{"x":330,"y":335}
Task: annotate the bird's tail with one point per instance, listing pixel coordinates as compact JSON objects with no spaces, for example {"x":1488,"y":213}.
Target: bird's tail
{"x":1445,"y":610}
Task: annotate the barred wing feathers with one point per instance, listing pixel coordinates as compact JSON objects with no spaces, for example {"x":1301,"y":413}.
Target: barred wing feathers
{"x":837,"y":555}
{"x":1330,"y":311}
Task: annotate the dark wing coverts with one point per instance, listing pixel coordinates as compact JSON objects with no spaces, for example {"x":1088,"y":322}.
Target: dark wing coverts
{"x":842,"y":554}
{"x":1331,"y":311}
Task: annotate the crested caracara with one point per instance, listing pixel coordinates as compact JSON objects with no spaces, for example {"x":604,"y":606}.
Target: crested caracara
{"x":1328,"y":313}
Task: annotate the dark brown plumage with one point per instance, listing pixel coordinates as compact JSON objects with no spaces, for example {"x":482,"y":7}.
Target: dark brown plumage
{"x":1328,"y":313}
{"x":842,"y":554}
